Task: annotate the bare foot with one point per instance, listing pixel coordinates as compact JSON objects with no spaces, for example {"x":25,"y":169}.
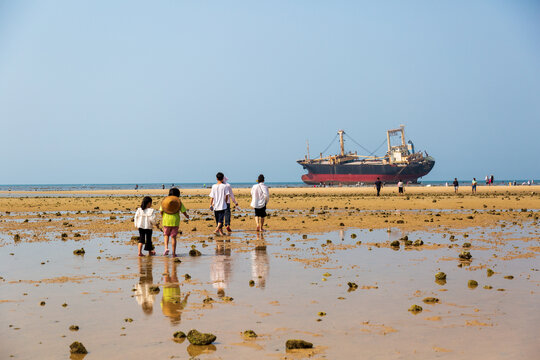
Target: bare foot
{"x":141,"y":254}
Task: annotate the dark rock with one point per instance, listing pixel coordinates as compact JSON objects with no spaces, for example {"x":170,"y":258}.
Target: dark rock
{"x":198,"y":338}
{"x":79,"y":251}
{"x":394,"y":243}
{"x":352,"y":286}
{"x":194,"y":252}
{"x":187,"y":276}
{"x":154,"y":289}
{"x":251,"y":283}
{"x":74,"y":328}
{"x":466,"y":245}
{"x":77,"y":348}
{"x":249,"y":334}
{"x":440,"y":276}
{"x":430,"y":300}
{"x":418,"y":242}
{"x":415,"y":309}
{"x":298,"y":344}
{"x":472,"y":284}
{"x":509,"y":277}
{"x":490,"y":272}
{"x":179,"y":335}
{"x":465,"y":255}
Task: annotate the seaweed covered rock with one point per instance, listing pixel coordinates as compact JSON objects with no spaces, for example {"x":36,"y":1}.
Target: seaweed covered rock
{"x":472,"y":284}
{"x":179,"y":335}
{"x":440,"y":276}
{"x":79,"y":251}
{"x":194,"y":252}
{"x":77,"y":348}
{"x":394,"y":244}
{"x":408,"y":242}
{"x":418,"y":242}
{"x":490,"y":272}
{"x":74,"y":328}
{"x":249,"y":334}
{"x":465,"y":255}
{"x":197,"y":338}
{"x":415,"y":309}
{"x":298,"y":344}
{"x":430,"y":300}
{"x":466,"y":245}
{"x":352,"y":286}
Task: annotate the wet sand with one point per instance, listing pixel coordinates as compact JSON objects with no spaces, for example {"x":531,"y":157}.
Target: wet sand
{"x":317,"y":241}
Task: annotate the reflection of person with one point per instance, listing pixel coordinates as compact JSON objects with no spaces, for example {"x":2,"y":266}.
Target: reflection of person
{"x":221,"y":268}
{"x":259,"y":263}
{"x":259,"y":199}
{"x":142,"y":291}
{"x":171,"y":303}
{"x":145,"y":219}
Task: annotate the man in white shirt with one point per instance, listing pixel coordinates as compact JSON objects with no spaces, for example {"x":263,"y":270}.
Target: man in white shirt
{"x":219,"y":197}
{"x":259,"y":199}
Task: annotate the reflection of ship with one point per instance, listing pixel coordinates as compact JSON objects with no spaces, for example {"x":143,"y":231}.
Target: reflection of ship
{"x":400,"y":162}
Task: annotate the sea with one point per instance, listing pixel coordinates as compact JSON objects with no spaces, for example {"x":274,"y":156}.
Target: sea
{"x":131,"y":186}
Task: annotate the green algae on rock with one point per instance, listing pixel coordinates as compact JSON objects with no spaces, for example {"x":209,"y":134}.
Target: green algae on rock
{"x":466,"y":245}
{"x":430,"y":300}
{"x":418,"y":242}
{"x":179,"y":335}
{"x":79,"y":251}
{"x":194,"y":252}
{"x":249,"y":334}
{"x":415,"y":309}
{"x":509,"y":277}
{"x":321,"y":313}
{"x":187,"y":276}
{"x":490,"y":272}
{"x":488,"y":287}
{"x":74,"y":328}
{"x":208,"y":300}
{"x":394,"y":243}
{"x":77,"y":348}
{"x":251,"y":283}
{"x":352,"y":286}
{"x":440,"y":276}
{"x":298,"y":344}
{"x":465,"y":255}
{"x":197,"y":338}
{"x":472,"y":284}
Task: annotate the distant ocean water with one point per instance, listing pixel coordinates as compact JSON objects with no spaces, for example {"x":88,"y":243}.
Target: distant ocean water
{"x":83,"y":187}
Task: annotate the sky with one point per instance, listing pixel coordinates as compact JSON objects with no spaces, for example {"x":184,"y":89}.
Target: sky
{"x":174,"y":91}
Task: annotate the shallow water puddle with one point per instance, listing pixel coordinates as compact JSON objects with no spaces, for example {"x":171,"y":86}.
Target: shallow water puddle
{"x":300,"y":291}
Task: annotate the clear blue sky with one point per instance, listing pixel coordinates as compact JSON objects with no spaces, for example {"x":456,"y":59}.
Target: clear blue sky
{"x":173,"y":91}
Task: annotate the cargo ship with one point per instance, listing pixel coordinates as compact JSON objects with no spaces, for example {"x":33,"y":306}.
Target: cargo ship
{"x":400,"y":162}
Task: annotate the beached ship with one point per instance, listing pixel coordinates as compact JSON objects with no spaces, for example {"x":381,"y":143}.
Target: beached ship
{"x":400,"y":162}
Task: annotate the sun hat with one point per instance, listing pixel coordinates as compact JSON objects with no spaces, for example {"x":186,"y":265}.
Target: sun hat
{"x":171,"y":204}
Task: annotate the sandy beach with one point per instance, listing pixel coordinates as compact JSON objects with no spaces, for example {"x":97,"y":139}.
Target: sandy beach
{"x":292,"y":282}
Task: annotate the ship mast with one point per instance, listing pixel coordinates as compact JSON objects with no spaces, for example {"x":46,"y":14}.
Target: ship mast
{"x":341,"y":132}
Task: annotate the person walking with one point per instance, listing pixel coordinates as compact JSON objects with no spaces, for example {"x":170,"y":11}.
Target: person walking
{"x":378,"y":186}
{"x":219,"y":197}
{"x":400,"y":186}
{"x":473,"y":184}
{"x":227,"y":220}
{"x":170,"y":209}
{"x":456,"y":185}
{"x":145,"y":219}
{"x":491,"y":180}
{"x":259,"y":198}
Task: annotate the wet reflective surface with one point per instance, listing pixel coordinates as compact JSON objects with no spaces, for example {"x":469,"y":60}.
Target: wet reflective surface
{"x":299,"y":290}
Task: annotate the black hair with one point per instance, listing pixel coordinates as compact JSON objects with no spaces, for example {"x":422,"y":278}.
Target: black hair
{"x":260,"y":178}
{"x":220,"y":176}
{"x":174,"y":192}
{"x":145,"y":202}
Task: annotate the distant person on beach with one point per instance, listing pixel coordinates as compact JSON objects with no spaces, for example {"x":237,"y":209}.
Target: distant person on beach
{"x":456,"y":185}
{"x":136,"y":186}
{"x":163,"y":186}
{"x":400,"y":186}
{"x":259,"y":199}
{"x":492,"y":180}
{"x":227,"y":222}
{"x":474,"y":183}
{"x":487,"y":180}
{"x":219,"y":197}
{"x":378,"y":186}
{"x":170,"y":209}
{"x":145,"y":219}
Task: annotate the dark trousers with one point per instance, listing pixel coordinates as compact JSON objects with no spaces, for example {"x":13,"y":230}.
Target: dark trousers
{"x":219,"y":214}
{"x":145,"y":237}
{"x":378,"y":191}
{"x":228,"y":215}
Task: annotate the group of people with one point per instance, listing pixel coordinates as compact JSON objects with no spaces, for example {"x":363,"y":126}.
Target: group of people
{"x":221,"y":196}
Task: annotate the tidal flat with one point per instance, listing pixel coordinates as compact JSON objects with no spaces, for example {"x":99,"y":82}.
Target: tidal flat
{"x":324,"y":272}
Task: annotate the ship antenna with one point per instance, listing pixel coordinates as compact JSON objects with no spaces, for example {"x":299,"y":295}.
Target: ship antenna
{"x":341,"y":132}
{"x":307,"y":143}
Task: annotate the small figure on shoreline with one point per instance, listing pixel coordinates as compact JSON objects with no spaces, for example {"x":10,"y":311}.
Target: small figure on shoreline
{"x":170,"y":209}
{"x":259,"y":199}
{"x":491,"y":180}
{"x":474,"y":183}
{"x":378,"y":186}
{"x":145,"y":219}
{"x":219,"y":197}
{"x":231,"y":197}
{"x":400,"y":186}
{"x":456,"y":185}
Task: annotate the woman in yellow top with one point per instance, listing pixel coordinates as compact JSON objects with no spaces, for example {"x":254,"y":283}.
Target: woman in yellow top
{"x":171,"y":207}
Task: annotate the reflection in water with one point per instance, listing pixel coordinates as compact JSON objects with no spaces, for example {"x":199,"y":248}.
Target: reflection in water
{"x":221,"y":268}
{"x":342,"y":235}
{"x":259,"y":262}
{"x":171,"y":303}
{"x":142,"y":293}
{"x":196,"y":350}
